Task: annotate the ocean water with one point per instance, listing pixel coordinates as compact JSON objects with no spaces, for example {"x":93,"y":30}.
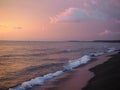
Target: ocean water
{"x":22,"y":61}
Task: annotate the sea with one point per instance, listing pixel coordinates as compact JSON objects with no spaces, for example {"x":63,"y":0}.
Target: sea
{"x":23,"y":61}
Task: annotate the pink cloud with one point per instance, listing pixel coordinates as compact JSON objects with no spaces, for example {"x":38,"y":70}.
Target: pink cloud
{"x":18,"y":27}
{"x":94,"y":2}
{"x":70,"y":15}
{"x":92,"y":10}
{"x":106,"y":32}
{"x":77,"y":15}
{"x":116,"y":1}
{"x":117,"y":21}
{"x":109,"y":33}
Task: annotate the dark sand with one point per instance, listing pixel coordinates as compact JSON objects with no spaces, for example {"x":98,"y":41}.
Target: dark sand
{"x":107,"y":75}
{"x":76,"y":79}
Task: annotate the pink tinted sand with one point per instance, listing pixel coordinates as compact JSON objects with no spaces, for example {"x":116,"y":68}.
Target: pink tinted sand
{"x":75,"y":80}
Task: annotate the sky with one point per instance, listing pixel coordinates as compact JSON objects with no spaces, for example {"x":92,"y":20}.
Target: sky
{"x":59,"y":20}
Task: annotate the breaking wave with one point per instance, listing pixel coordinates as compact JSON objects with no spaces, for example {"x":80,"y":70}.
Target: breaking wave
{"x":67,"y":67}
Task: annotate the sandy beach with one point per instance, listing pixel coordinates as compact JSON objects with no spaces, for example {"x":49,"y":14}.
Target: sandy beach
{"x":107,"y":75}
{"x":75,"y":79}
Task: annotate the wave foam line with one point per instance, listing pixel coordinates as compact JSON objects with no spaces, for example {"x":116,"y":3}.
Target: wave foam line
{"x":37,"y":81}
{"x":69,"y":66}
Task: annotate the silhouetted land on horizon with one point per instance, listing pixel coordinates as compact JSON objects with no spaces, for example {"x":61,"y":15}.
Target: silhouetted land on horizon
{"x":109,"y":41}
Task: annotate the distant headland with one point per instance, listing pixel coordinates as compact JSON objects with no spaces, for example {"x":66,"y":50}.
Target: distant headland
{"x":108,"y":41}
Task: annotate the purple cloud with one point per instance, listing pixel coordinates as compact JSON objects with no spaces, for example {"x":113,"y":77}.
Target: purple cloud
{"x":106,"y":32}
{"x":77,"y":15}
{"x":109,"y":33}
{"x":92,"y":10}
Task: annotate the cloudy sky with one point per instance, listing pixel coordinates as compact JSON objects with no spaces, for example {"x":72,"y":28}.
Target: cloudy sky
{"x":59,"y":19}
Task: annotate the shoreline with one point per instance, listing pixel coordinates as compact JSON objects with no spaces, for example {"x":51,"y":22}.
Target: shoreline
{"x":75,"y":79}
{"x":107,"y":75}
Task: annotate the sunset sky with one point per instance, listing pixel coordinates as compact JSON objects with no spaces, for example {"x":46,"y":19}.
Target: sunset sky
{"x":51,"y":20}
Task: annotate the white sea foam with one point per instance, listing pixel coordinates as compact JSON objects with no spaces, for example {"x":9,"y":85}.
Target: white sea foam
{"x":85,"y":59}
{"x":111,"y":49}
{"x":96,"y":54}
{"x":78,"y":62}
{"x":37,"y":81}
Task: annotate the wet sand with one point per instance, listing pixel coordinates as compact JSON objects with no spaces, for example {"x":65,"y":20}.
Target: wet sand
{"x":107,"y":75}
{"x":75,"y":79}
